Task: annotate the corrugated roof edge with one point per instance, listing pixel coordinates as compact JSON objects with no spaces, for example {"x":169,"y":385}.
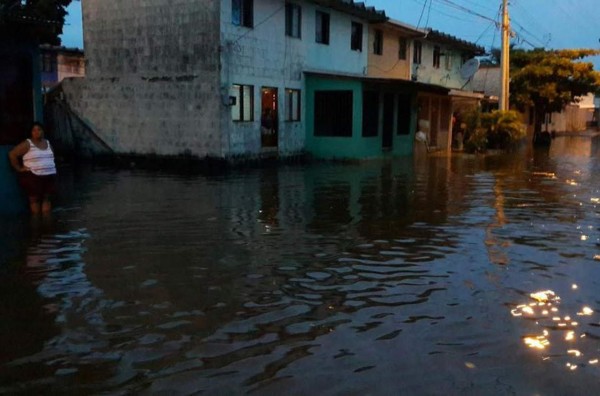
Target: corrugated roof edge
{"x":436,"y":35}
{"x":359,"y":9}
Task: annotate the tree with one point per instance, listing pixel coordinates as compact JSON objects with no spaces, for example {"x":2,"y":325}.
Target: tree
{"x":548,"y":80}
{"x":492,"y":130}
{"x":35,"y":20}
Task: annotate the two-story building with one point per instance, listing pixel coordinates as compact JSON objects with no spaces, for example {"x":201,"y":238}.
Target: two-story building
{"x":229,"y":78}
{"x":444,"y":61}
{"x":221,"y":78}
{"x":58,"y":63}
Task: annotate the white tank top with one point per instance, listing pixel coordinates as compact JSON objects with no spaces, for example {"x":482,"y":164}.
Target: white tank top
{"x":40,"y":162}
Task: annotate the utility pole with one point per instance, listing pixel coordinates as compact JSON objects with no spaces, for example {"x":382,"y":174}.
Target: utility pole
{"x":504,"y":58}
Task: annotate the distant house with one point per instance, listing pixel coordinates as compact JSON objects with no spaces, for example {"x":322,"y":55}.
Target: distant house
{"x":58,"y":63}
{"x":575,"y":117}
{"x":440,"y":59}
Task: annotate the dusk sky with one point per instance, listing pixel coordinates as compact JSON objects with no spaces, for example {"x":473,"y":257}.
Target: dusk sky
{"x":540,"y":23}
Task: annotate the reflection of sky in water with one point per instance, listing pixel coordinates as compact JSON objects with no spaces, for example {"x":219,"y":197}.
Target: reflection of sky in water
{"x":560,"y":332}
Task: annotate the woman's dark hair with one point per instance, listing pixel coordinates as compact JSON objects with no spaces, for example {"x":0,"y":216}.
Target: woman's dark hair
{"x":38,"y":124}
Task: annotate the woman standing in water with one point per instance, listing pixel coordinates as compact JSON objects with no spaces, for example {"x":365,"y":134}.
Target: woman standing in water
{"x":37,"y":172}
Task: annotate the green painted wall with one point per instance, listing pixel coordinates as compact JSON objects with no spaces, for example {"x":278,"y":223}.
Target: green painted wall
{"x":339,"y":147}
{"x":356,"y":146}
{"x":403,"y":144}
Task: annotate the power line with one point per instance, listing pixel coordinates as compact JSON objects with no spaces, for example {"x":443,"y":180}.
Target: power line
{"x":468,"y":11}
{"x":422,"y":11}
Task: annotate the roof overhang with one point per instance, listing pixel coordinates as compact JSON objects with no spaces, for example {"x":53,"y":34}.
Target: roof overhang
{"x":459,"y":93}
{"x":405,"y":29}
{"x":359,"y":10}
{"x":454,"y":42}
{"x":391,"y":82}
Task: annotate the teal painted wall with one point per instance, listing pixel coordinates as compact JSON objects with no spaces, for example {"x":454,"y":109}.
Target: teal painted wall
{"x":404,"y":144}
{"x":12,"y":199}
{"x":354,"y":147}
{"x":357,"y":146}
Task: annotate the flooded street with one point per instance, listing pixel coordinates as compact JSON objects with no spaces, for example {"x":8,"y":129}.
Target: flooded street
{"x":436,"y":275}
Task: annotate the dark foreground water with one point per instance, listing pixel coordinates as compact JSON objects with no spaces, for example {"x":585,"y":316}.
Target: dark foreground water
{"x":422,"y":276}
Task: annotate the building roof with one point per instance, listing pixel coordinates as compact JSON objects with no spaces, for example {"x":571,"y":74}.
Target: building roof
{"x":437,"y":36}
{"x":397,"y":82}
{"x":359,"y":10}
{"x":61,"y":49}
{"x":405,"y":28}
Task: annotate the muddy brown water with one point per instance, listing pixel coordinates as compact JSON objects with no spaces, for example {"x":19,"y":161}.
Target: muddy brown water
{"x":460,"y":275}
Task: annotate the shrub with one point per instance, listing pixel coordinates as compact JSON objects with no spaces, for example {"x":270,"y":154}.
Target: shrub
{"x":494,"y":130}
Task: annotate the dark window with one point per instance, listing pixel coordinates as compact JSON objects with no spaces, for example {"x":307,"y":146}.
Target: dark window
{"x":404,"y":115}
{"x":378,"y":42}
{"x":370,"y":113}
{"x":417,"y":53}
{"x":48,"y":63}
{"x":402,"y":48}
{"x":243,"y":106}
{"x":333,"y":113}
{"x":356,"y":36}
{"x":292,"y":104}
{"x":322,"y":28}
{"x":242,"y":12}
{"x":436,"y":57}
{"x":293,"y":20}
{"x":448,"y":60}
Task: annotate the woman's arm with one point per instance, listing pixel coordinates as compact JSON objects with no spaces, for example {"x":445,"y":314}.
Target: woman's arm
{"x":16,"y":153}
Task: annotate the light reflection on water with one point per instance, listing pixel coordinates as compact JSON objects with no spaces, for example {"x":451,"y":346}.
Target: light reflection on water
{"x":378,"y":278}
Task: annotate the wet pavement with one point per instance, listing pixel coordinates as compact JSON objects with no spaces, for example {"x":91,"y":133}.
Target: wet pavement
{"x":426,"y":275}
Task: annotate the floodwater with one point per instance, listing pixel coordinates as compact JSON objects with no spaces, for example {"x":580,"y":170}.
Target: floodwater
{"x":437,"y":275}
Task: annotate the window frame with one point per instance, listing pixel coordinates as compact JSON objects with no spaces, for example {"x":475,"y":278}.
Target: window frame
{"x":448,"y":60}
{"x":322,"y":27}
{"x":245,"y":13}
{"x":378,"y":42}
{"x":402,"y":48}
{"x":293,"y":13}
{"x":238,"y":91}
{"x":417,"y":52}
{"x":331,"y":118}
{"x":437,"y":55}
{"x":356,"y":36}
{"x":370,"y":114}
{"x":290,"y":114}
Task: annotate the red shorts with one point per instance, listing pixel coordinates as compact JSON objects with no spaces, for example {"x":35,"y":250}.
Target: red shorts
{"x":37,"y":186}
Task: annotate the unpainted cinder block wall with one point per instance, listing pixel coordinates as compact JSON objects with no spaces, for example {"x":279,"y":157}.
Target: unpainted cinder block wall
{"x":152,"y":76}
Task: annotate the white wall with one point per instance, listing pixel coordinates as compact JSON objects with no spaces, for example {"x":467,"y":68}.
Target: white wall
{"x":265,"y":56}
{"x":446,"y":77}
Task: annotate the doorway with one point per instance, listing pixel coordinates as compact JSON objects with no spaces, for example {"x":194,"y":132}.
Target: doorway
{"x":16,"y":96}
{"x":388,"y":121}
{"x":269,"y":119}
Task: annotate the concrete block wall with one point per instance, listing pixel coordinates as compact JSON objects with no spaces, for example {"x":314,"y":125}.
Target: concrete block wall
{"x":152,"y":76}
